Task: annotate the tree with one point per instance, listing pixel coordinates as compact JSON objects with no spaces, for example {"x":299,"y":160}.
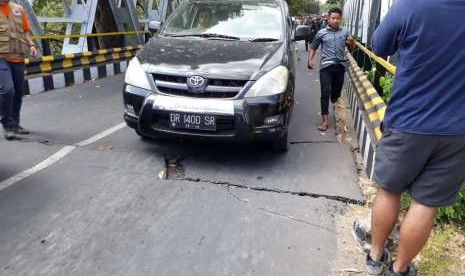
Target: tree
{"x":303,"y":7}
{"x":311,"y":8}
{"x":335,"y":2}
{"x":331,"y":4}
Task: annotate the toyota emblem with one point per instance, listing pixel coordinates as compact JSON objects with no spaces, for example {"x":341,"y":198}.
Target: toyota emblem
{"x":196,"y":81}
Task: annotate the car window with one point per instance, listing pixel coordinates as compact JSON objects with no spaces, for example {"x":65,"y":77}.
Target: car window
{"x":235,"y":19}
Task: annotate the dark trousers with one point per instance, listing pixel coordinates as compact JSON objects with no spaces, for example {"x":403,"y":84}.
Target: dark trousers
{"x":308,"y":42}
{"x":331,"y":80}
{"x":11,"y":92}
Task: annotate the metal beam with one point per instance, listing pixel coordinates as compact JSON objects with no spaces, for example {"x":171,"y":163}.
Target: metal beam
{"x":374,"y":19}
{"x":83,"y":12}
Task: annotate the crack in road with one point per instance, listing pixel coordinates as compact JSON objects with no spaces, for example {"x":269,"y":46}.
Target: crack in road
{"x":175,"y":171}
{"x":44,"y":142}
{"x":24,"y":139}
{"x":37,"y":141}
{"x":276,"y":214}
{"x":342,"y":199}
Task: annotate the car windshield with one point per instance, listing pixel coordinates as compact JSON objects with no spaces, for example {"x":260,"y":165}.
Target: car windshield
{"x":226,"y":20}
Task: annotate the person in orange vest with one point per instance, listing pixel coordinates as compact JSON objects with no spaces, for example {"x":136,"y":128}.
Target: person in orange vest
{"x":15,"y":43}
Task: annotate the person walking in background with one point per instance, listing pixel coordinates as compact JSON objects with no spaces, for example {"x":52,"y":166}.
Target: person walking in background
{"x":15,"y":42}
{"x":314,"y":28}
{"x":308,"y":40}
{"x":332,"y":40}
{"x":423,"y":147}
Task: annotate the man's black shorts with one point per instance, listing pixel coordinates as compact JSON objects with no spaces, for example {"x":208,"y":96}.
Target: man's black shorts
{"x":430,"y":167}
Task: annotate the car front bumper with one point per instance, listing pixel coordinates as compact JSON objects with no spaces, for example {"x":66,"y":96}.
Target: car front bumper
{"x":249,"y":119}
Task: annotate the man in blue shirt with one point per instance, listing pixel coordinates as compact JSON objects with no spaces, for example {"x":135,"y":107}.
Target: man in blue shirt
{"x":423,"y":147}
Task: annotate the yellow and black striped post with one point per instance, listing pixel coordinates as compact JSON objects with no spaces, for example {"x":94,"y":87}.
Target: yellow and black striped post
{"x":49,"y":64}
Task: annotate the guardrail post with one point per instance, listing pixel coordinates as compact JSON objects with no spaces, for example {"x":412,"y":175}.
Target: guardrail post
{"x":46,"y":47}
{"x":367,"y":106}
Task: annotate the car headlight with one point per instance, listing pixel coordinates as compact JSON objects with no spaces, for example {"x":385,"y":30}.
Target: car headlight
{"x":136,"y":76}
{"x":272,"y":83}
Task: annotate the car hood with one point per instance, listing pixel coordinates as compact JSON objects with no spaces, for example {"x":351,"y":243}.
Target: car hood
{"x":210,"y":58}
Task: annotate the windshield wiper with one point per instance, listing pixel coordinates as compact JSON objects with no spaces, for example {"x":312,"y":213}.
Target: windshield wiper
{"x":207,"y":35}
{"x":263,"y":39}
{"x":179,"y":35}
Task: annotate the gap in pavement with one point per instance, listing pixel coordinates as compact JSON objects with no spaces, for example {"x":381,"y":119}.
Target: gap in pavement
{"x":314,"y":168}
{"x":175,"y":171}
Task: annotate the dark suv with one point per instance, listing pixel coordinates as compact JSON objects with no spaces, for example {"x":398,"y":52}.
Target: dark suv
{"x":217,"y":70}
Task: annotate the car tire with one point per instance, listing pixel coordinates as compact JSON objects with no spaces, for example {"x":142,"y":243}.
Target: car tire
{"x":282,"y":144}
{"x":143,"y":136}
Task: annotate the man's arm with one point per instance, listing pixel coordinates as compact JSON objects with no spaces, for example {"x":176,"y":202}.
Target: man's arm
{"x":27,"y":37}
{"x":385,"y":40}
{"x":27,"y":34}
{"x":311,"y":57}
{"x":313,"y":47}
{"x":350,"y":42}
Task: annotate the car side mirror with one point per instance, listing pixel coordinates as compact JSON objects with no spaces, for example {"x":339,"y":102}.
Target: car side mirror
{"x":302,"y":32}
{"x":154,"y":26}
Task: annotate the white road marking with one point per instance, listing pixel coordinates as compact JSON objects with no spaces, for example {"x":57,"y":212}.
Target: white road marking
{"x":101,"y":135}
{"x":37,"y":168}
{"x":57,"y":157}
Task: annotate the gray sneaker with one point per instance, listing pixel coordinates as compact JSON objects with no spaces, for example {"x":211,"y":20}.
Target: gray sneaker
{"x":378,"y":267}
{"x":20,"y":130}
{"x":361,"y":234}
{"x":411,"y":271}
{"x":9,"y":134}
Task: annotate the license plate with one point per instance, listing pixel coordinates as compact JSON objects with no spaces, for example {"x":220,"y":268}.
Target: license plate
{"x":192,"y":121}
{"x":192,"y":105}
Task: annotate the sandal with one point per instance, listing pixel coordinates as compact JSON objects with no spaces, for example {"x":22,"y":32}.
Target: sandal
{"x":323,"y":127}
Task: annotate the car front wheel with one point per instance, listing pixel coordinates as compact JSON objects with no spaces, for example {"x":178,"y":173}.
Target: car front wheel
{"x":282,"y":144}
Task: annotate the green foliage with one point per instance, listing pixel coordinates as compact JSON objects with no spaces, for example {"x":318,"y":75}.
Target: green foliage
{"x":455,"y":213}
{"x":51,"y":8}
{"x":48,"y":8}
{"x":331,"y":4}
{"x":435,"y":256}
{"x":371,"y":74}
{"x":303,"y":7}
{"x":444,"y":215}
{"x":405,"y":202}
{"x":311,"y":8}
{"x":386,"y":83}
{"x":140,"y":7}
{"x":326,"y":7}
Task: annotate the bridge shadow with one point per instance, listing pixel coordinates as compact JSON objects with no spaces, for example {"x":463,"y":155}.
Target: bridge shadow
{"x":215,"y":153}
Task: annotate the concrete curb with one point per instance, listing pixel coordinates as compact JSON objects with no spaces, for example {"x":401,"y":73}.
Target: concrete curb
{"x":35,"y":84}
{"x":50,"y":64}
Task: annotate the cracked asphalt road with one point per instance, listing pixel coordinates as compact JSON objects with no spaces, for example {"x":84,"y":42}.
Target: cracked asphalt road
{"x":103,"y":209}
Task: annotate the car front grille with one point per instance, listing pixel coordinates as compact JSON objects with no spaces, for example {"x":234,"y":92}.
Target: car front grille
{"x":216,"y":88}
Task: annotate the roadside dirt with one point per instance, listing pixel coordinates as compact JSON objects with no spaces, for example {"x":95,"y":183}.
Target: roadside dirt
{"x":350,"y":259}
